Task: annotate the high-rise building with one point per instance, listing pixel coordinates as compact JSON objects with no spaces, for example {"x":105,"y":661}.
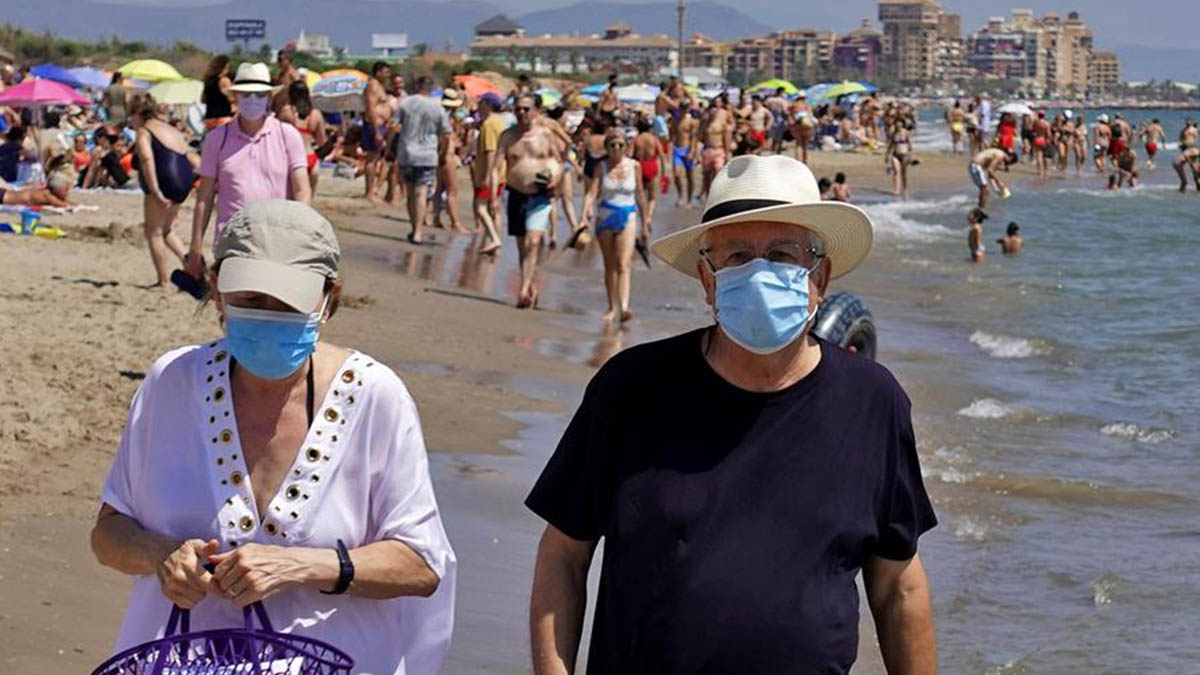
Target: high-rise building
{"x":950,"y":60}
{"x":1049,"y":54}
{"x":859,"y":51}
{"x":913,"y":50}
{"x":1070,"y":53}
{"x":701,"y":51}
{"x":797,"y":55}
{"x":1104,"y":72}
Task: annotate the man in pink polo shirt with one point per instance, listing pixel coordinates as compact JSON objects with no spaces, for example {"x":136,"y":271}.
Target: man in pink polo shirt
{"x":252,"y":158}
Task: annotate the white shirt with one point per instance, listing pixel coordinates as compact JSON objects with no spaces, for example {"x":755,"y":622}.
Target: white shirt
{"x":362,"y":476}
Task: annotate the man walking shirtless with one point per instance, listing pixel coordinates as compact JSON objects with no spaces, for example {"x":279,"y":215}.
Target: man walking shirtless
{"x":533,"y":154}
{"x":685,"y":150}
{"x":717,"y":134}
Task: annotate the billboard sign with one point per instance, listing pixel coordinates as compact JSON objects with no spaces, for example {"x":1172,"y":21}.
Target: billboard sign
{"x":245,"y":29}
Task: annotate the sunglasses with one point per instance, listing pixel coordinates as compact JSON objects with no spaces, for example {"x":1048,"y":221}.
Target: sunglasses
{"x":524,"y":108}
{"x":616,"y":144}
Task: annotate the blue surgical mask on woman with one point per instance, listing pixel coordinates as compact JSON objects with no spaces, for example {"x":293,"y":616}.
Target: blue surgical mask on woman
{"x":763,"y":306}
{"x":253,"y":108}
{"x":270,"y":344}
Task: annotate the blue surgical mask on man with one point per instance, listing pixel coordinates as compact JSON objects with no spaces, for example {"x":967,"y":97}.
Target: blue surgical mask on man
{"x":763,"y":306}
{"x":253,"y":108}
{"x":271,"y":344}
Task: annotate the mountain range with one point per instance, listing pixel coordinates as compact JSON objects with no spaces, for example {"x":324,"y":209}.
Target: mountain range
{"x":436,"y":23}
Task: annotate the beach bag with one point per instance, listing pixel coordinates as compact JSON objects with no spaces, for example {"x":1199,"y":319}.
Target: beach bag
{"x":228,"y":651}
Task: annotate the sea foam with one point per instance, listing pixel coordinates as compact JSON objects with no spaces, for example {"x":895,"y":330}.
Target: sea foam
{"x":1133,"y":432}
{"x":988,"y":409}
{"x":1007,"y":347}
{"x":891,"y":219}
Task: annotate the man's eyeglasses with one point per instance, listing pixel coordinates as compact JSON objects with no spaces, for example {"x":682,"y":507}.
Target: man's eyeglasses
{"x":788,"y":253}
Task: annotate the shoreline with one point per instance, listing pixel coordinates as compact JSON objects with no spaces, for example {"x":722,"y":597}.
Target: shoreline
{"x":491,"y":383}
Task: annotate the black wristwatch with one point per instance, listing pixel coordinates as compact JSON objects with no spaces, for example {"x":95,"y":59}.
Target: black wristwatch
{"x":345,"y":571}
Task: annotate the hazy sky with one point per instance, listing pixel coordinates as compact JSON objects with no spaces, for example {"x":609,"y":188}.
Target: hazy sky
{"x":1155,"y":23}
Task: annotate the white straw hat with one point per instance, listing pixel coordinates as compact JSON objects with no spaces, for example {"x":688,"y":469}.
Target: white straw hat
{"x":777,"y":189}
{"x":252,"y":77}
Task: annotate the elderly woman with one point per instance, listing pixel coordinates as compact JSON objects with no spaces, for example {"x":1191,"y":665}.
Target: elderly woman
{"x":296,"y":467}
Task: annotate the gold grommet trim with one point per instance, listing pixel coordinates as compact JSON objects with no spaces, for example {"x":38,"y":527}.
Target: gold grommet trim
{"x":236,"y":478}
{"x":247,"y":523}
{"x":331,"y":415}
{"x":348,"y":376}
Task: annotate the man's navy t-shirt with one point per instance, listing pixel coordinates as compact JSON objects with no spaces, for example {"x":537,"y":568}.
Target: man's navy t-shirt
{"x":734,"y":522}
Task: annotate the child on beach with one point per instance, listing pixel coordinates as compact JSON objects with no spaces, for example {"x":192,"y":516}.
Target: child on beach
{"x":841,"y":191}
{"x":975,"y":235}
{"x":1011,"y":242}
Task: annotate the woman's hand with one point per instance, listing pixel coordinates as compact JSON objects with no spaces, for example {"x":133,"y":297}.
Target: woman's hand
{"x":181,"y":574}
{"x":254,"y":572}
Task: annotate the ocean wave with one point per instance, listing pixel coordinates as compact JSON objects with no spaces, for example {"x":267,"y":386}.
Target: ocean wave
{"x":1104,"y":588}
{"x":970,"y":528}
{"x":1007,"y":347}
{"x":988,"y":409}
{"x":1133,"y":432}
{"x":891,"y":218}
{"x":1123,"y":193}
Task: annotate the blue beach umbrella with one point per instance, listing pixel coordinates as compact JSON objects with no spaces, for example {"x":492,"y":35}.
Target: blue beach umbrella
{"x":90,"y":77}
{"x":594,"y":89}
{"x":49,"y":71}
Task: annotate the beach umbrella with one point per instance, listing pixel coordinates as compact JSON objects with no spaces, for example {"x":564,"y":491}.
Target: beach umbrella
{"x":335,"y":93}
{"x":49,"y":71}
{"x":594,"y":89}
{"x":771,"y":85}
{"x":637,"y":93}
{"x":90,"y":77}
{"x":1018,"y":109}
{"x":35,"y":91}
{"x":844,"y":88}
{"x":177,"y":92}
{"x":550,"y":97}
{"x":474,"y":86}
{"x":347,"y":72}
{"x":311,"y":77}
{"x":150,"y":70}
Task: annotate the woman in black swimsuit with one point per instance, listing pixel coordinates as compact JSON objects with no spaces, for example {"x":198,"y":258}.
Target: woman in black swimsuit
{"x":166,"y":169}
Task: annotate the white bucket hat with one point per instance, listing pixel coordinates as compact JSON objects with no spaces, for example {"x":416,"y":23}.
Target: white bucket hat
{"x":778,"y":189}
{"x":252,"y":77}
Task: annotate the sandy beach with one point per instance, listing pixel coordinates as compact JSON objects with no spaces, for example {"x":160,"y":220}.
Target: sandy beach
{"x":79,"y":330}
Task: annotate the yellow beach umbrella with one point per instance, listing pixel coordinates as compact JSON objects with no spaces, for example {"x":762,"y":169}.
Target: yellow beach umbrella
{"x":177,"y":92}
{"x":310,"y":77}
{"x":150,"y":70}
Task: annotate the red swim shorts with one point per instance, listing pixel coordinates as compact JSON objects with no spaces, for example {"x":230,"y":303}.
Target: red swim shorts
{"x":649,"y":168}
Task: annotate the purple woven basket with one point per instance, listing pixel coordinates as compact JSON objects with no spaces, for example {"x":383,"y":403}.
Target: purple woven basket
{"x":228,"y":651}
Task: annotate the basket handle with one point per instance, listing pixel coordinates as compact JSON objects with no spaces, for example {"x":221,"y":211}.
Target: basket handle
{"x":180,"y":618}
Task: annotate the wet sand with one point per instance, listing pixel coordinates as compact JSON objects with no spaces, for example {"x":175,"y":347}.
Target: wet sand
{"x":494,"y":386}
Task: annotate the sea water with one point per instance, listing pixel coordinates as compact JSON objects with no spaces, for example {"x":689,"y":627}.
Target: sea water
{"x":1054,"y":398}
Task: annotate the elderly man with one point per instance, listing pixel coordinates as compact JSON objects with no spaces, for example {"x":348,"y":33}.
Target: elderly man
{"x":734,"y":535}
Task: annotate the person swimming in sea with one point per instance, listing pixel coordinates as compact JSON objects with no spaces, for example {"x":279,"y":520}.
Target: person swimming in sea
{"x":1011,"y":242}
